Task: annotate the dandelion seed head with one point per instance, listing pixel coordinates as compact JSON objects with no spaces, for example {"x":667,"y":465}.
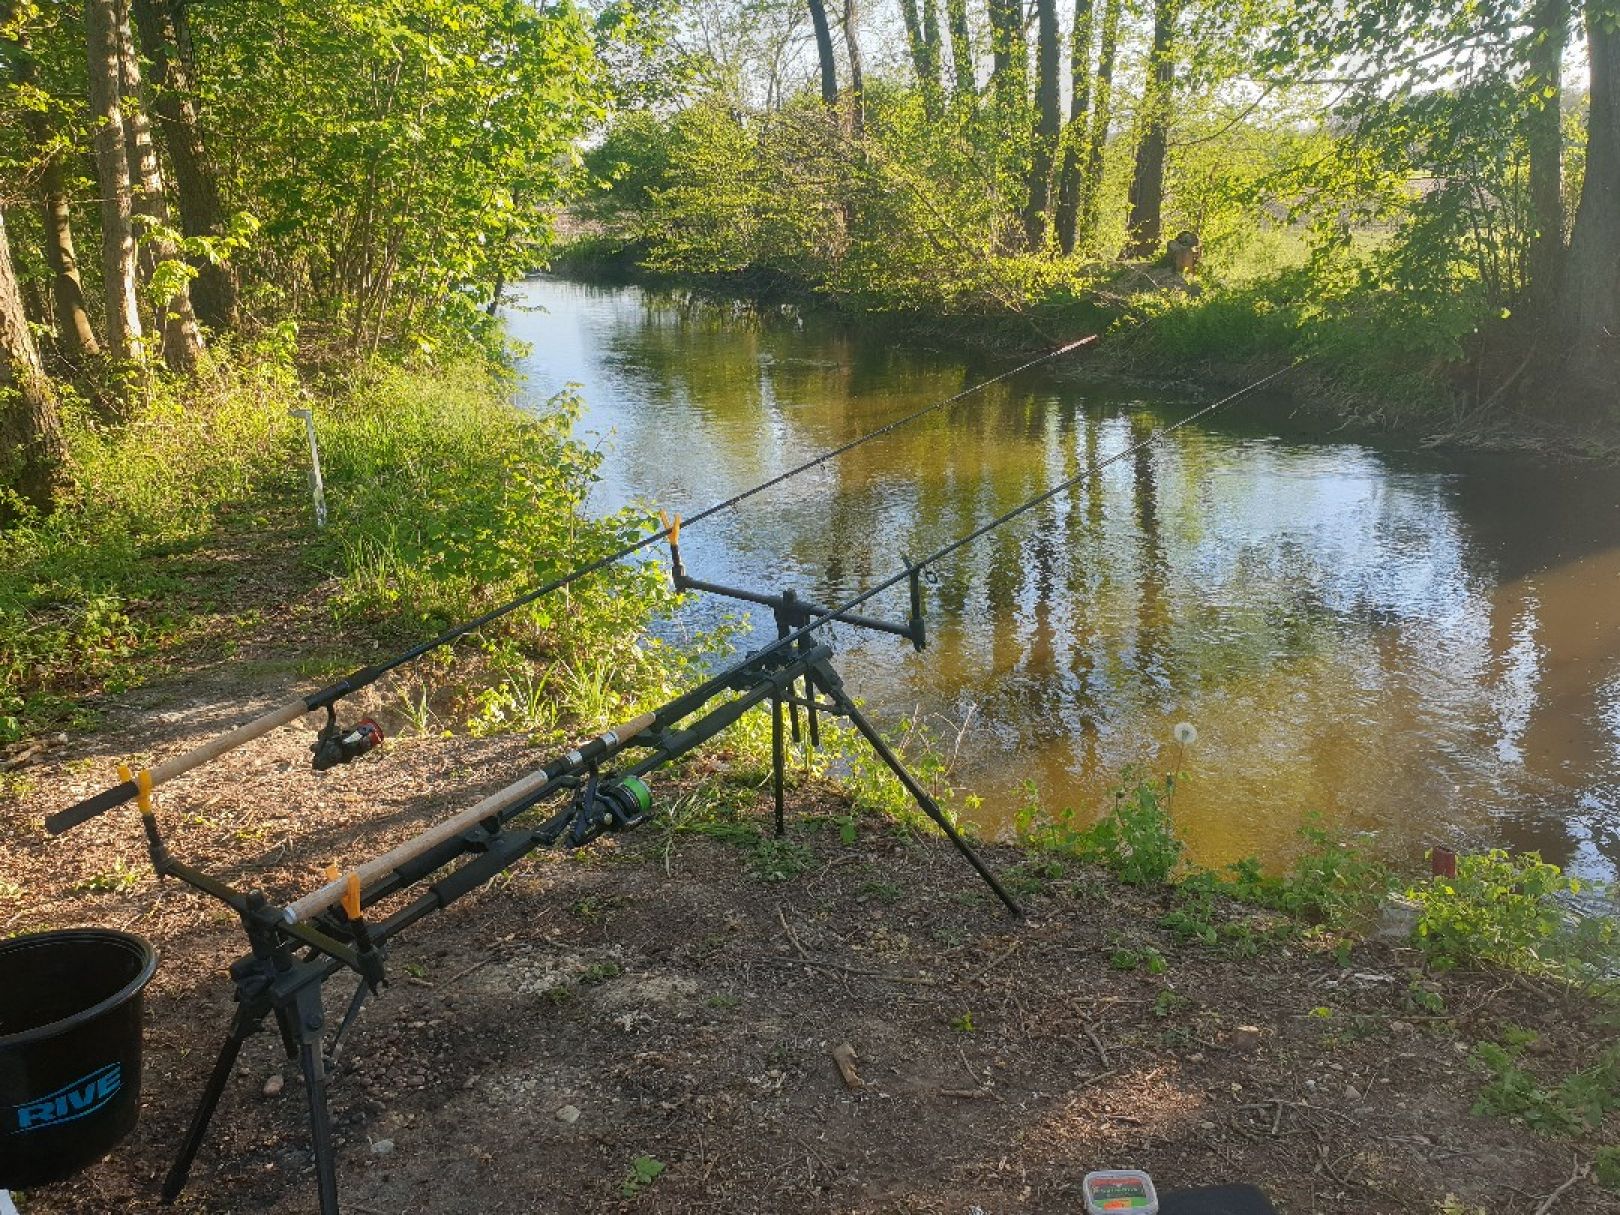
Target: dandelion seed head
{"x":1185,"y":733}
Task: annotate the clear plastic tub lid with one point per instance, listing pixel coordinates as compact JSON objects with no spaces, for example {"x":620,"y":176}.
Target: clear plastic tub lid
{"x":1126,"y":1191}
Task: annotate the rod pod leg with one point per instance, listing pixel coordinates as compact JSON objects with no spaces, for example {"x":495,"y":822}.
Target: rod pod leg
{"x":244,"y":1024}
{"x":778,"y":762}
{"x":847,"y":707}
{"x":311,"y":1024}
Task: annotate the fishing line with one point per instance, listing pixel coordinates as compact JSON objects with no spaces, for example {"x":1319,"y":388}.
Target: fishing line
{"x":832,"y":615}
{"x":334,"y":746}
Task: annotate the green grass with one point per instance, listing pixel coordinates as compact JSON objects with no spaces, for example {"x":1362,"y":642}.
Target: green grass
{"x":191,"y":524}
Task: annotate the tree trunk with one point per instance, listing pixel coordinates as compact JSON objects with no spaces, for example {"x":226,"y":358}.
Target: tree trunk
{"x":1147,"y":181}
{"x":76,"y":338}
{"x":1544,"y":137}
{"x":1101,"y":117}
{"x":936,"y":58}
{"x":1009,"y":73}
{"x":1589,"y":312}
{"x":213,"y":291}
{"x":112,"y":174}
{"x":956,"y":16}
{"x":857,"y":69}
{"x":922,"y":41}
{"x":182,"y":340}
{"x":824,"y":50}
{"x":1068,"y":200}
{"x":32,"y":452}
{"x":1048,"y":122}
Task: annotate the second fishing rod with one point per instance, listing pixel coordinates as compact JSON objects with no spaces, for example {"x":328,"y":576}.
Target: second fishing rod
{"x":336,"y":745}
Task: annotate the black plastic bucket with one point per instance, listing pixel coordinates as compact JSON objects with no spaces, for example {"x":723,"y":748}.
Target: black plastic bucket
{"x":70,"y":1049}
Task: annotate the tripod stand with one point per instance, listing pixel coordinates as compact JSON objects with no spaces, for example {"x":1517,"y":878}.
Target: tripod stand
{"x":294,"y":950}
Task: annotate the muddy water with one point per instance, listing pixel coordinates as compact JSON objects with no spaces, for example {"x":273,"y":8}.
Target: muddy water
{"x":1419,"y":644}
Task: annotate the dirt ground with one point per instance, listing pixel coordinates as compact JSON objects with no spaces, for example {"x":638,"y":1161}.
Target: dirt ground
{"x":656,"y":997}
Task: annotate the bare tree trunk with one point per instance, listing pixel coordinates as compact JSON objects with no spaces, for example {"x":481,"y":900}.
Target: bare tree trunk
{"x":32,"y":452}
{"x":824,"y":51}
{"x":182,"y":339}
{"x":213,"y":291}
{"x":1048,"y":122}
{"x":76,"y":338}
{"x":1589,"y":303}
{"x":857,"y":69}
{"x":956,"y":16}
{"x":112,"y":173}
{"x":1544,"y":135}
{"x":1101,"y":117}
{"x":1068,"y":199}
{"x":1147,"y":182}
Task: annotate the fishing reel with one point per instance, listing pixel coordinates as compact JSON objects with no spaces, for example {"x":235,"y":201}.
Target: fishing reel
{"x":334,"y":745}
{"x":619,"y":805}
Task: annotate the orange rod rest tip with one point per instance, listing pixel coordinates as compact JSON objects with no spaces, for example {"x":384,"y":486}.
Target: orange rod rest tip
{"x":351,"y":896}
{"x":143,"y":786}
{"x":675,"y":531}
{"x":330,"y":871}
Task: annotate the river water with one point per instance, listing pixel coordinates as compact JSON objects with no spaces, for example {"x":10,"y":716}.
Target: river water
{"x":1425,"y":645}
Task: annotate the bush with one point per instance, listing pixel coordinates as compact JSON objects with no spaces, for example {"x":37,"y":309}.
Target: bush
{"x":1511,"y":911}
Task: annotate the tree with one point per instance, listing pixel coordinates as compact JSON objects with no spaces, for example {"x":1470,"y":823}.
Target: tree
{"x":1588,"y":318}
{"x":824,"y":53}
{"x":1544,"y":137}
{"x":75,"y":335}
{"x":965,"y":87}
{"x":31,"y":445}
{"x":1009,"y":73}
{"x":124,"y":334}
{"x":162,"y":271}
{"x":401,"y":156}
{"x":1048,"y":122}
{"x":1147,"y":180}
{"x":202,"y":214}
{"x":922,"y":40}
{"x":1101,"y":118}
{"x":857,"y":72}
{"x":1068,"y":201}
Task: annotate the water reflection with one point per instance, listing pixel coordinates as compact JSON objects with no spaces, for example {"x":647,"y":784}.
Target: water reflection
{"x":1425,"y":646}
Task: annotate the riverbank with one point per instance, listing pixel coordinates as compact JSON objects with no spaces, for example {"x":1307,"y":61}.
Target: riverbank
{"x":651,"y":1024}
{"x":1366,"y":370}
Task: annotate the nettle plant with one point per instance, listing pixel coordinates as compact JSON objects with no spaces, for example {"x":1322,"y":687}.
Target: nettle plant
{"x":1514,"y":911}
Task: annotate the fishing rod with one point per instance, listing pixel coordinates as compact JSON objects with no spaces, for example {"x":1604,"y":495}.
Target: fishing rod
{"x":336,"y":746}
{"x":774,"y":671}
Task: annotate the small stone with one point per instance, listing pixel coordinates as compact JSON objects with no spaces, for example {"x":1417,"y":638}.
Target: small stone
{"x":274,"y":1084}
{"x":1352,"y":1093}
{"x":568,"y":1114}
{"x":1206,"y":1126}
{"x":1246,"y":1038}
{"x":1398,"y":919}
{"x":382,"y":1147}
{"x":1402,"y":1028}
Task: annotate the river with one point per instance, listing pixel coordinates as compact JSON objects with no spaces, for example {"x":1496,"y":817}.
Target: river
{"x":1425,"y":645}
